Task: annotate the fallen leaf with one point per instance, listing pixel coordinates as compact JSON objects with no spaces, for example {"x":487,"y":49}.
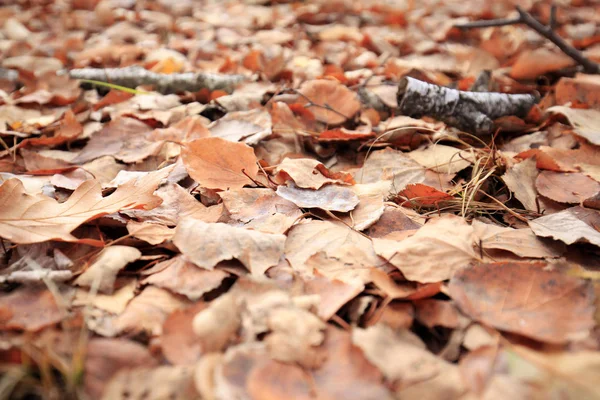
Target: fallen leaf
{"x":183,"y":277}
{"x":447,"y":238}
{"x":520,"y":179}
{"x":150,"y":232}
{"x":330,"y":101}
{"x":30,"y":309}
{"x":102,"y":272}
{"x":334,"y":242}
{"x":566,"y":187}
{"x":431,"y":313}
{"x":532,"y":63}
{"x":33,"y":219}
{"x":217,"y":163}
{"x":249,"y":127}
{"x":416,"y":372}
{"x":525,"y":299}
{"x":152,"y":383}
{"x":418,"y":194}
{"x":105,"y":357}
{"x":178,"y":342}
{"x":390,"y":165}
{"x":370,"y":205}
{"x":584,"y":122}
{"x":206,"y":244}
{"x":309,"y":173}
{"x":147,"y":312}
{"x":217,"y":325}
{"x":522,"y":242}
{"x":573,"y":225}
{"x":330,"y":197}
{"x":442,"y":159}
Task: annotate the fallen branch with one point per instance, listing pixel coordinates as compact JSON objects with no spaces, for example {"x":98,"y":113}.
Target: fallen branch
{"x":546,"y":31}
{"x":470,"y":111}
{"x":135,"y":76}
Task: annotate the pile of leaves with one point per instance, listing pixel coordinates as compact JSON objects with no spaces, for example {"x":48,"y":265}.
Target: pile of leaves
{"x":296,"y":237}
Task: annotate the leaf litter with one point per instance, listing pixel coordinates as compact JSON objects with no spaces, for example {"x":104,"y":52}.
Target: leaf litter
{"x":281,"y":230}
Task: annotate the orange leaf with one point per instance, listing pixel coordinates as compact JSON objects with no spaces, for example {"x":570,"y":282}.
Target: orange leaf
{"x":217,"y":163}
{"x":26,"y":218}
{"x":333,"y":102}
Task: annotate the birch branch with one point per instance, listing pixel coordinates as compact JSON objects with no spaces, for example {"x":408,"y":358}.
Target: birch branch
{"x":135,"y":76}
{"x":470,"y":111}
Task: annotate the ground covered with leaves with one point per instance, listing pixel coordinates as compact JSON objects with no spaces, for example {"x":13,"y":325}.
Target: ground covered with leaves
{"x":287,"y":232}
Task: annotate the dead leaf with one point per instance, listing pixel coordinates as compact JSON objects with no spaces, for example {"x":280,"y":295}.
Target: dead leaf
{"x":102,"y":272}
{"x":30,"y":309}
{"x":524,"y":299}
{"x":216,"y":326}
{"x":105,"y":357}
{"x":33,"y":219}
{"x":390,"y":165}
{"x":249,"y":127}
{"x":179,"y":343}
{"x":147,"y":312}
{"x":573,"y":225}
{"x":330,"y":101}
{"x":530,"y":64}
{"x":520,"y":179}
{"x":217,"y":163}
{"x":584,"y":122}
{"x":309,"y":173}
{"x":447,"y":238}
{"x":522,"y":242}
{"x":183,"y":277}
{"x":330,"y":197}
{"x":206,"y":244}
{"x":566,"y":187}
{"x":164,"y":382}
{"x":442,"y":159}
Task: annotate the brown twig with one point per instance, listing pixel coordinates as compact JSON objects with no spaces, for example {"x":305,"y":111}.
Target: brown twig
{"x":546,"y":31}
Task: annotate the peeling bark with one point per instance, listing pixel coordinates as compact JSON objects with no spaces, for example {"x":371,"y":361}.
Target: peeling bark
{"x":163,"y":83}
{"x":473,"y":112}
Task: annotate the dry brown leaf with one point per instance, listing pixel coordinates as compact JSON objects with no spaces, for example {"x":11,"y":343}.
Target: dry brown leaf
{"x":102,"y":272}
{"x":336,"y":245}
{"x":179,"y":343}
{"x":390,"y":165}
{"x":114,"y":303}
{"x":442,"y":159}
{"x":332,"y":102}
{"x":431,"y":313}
{"x":419,"y":373}
{"x":177,"y":204}
{"x":448,"y":238}
{"x":217,"y":163}
{"x":522,"y":242}
{"x":330,"y":197}
{"x":147,"y":312}
{"x":370,"y":205}
{"x":565,"y":187}
{"x":30,"y":309}
{"x":520,"y":179}
{"x":573,"y":225}
{"x":525,"y":299}
{"x":33,"y":219}
{"x":308,"y":173}
{"x":249,"y":127}
{"x":216,"y":326}
{"x":105,"y":357}
{"x":150,"y":232}
{"x":530,"y":64}
{"x":152,"y":383}
{"x":183,"y":277}
{"x":584,"y":122}
{"x":206,"y":244}
{"x":260,"y":209}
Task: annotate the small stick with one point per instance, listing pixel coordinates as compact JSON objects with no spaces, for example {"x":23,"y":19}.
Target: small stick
{"x":546,"y":31}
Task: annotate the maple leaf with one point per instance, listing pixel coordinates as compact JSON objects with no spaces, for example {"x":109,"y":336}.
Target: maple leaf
{"x":26,"y":218}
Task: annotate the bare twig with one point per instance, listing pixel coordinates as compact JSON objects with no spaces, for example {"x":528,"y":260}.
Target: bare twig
{"x":546,"y":31}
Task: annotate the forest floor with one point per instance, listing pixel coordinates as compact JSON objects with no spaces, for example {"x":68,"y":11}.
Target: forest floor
{"x":256,"y":211}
